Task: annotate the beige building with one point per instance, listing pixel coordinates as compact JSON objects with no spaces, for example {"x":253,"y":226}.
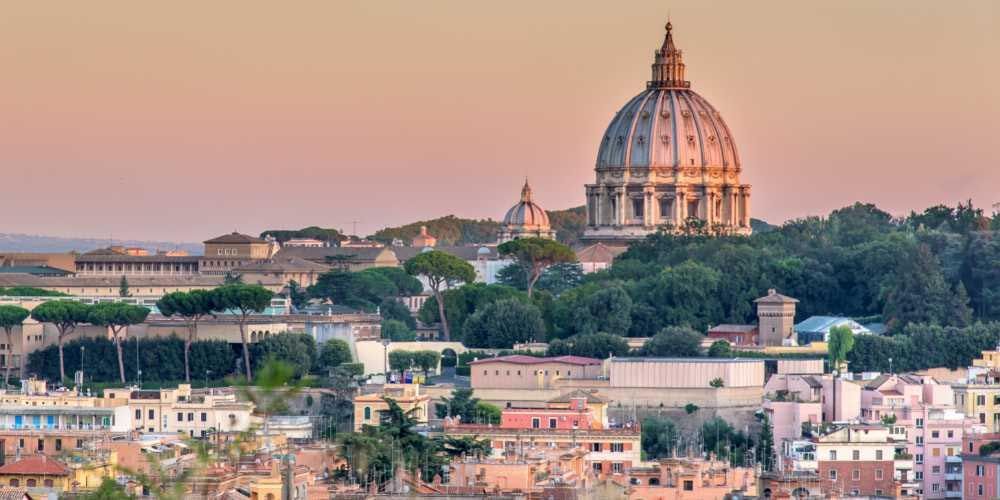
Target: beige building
{"x":667,"y":160}
{"x":776,"y":319}
{"x":65,"y":261}
{"x":152,"y":287}
{"x":180,"y":411}
{"x":301,"y":271}
{"x":344,"y":258}
{"x":368,"y":407}
{"x":117,"y":261}
{"x":529,"y":372}
{"x":423,"y":239}
{"x":229,"y":251}
{"x":685,"y":373}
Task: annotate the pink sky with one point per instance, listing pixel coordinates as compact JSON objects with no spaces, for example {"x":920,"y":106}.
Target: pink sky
{"x":182,"y":120}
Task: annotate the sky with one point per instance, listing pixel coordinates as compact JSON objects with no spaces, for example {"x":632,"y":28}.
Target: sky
{"x":187,"y":119}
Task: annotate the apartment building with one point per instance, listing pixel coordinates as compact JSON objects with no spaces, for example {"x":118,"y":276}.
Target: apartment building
{"x":179,"y":410}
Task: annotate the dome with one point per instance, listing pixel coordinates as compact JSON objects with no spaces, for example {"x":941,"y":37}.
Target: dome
{"x":667,"y":162}
{"x":525,"y":220}
{"x":526,"y":213}
{"x":668,"y":125}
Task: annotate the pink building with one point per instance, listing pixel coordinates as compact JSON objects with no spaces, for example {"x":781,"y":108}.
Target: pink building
{"x":576,"y":416}
{"x":921,"y":411}
{"x":787,"y":421}
{"x":980,"y":467}
{"x":839,"y":399}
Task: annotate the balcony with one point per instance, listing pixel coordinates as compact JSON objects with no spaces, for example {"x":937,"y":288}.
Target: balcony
{"x":952,"y":476}
{"x":953,"y":459}
{"x":953,"y":493}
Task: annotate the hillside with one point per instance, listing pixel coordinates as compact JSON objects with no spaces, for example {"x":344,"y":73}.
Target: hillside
{"x":452,"y":230}
{"x":11,"y":242}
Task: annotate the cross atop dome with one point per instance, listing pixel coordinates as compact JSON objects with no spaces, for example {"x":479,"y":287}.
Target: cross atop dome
{"x":668,"y":64}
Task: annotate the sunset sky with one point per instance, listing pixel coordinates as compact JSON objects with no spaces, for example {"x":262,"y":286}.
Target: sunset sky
{"x":182,"y":120}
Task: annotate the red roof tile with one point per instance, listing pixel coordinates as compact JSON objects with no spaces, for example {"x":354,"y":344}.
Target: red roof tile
{"x":35,"y":464}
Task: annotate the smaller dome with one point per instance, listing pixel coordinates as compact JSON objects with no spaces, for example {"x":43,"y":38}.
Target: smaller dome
{"x":526,"y":213}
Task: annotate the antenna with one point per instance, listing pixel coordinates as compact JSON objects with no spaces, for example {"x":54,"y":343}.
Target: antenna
{"x":354,"y":224}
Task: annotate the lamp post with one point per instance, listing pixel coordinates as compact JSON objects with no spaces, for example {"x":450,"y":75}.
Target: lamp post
{"x":385,"y":359}
{"x":138,"y":366}
{"x":890,"y":366}
{"x":83,"y":375}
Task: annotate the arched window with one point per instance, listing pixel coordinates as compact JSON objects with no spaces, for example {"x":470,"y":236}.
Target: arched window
{"x":48,"y":483}
{"x":270,"y":496}
{"x":15,"y":482}
{"x":654,"y":481}
{"x":368,"y":413}
{"x":31,"y":483}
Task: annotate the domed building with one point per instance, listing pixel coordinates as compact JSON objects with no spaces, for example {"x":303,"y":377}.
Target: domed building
{"x":667,"y":160}
{"x":525,"y":220}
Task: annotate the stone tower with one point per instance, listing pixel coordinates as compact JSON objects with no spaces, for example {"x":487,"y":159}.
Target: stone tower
{"x":776,"y":319}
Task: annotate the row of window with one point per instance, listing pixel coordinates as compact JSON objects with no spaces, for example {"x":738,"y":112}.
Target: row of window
{"x":32,"y":483}
{"x":569,"y":373}
{"x":40,"y":445}
{"x":856,"y":474}
{"x":856,"y":454}
{"x":180,"y":416}
{"x":148,"y":266}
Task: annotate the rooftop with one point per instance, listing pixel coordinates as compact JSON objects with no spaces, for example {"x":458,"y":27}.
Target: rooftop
{"x":687,"y":360}
{"x":773,"y":297}
{"x":235,"y":237}
{"x":520,"y":359}
{"x":35,"y":464}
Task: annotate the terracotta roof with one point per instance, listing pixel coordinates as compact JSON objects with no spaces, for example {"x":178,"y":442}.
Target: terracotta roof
{"x":733,"y":328}
{"x":520,"y":359}
{"x":35,"y":464}
{"x":320,"y":254}
{"x":285,"y":265}
{"x":877,"y":382}
{"x":118,"y":257}
{"x":235,"y":237}
{"x":774,"y":297}
{"x":599,"y":252}
{"x":579,"y":393}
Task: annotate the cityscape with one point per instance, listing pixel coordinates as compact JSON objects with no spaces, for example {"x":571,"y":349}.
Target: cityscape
{"x":660,"y":339}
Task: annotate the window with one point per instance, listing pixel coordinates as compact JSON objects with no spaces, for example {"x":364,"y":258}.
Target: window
{"x":48,"y":483}
{"x":138,"y":414}
{"x":982,"y":418}
{"x":616,"y":467}
{"x":935,"y":452}
{"x":951,"y":434}
{"x":688,"y":485}
{"x":58,"y":444}
{"x":980,"y":470}
{"x":368,"y":413}
{"x":665,"y":208}
{"x":595,"y":446}
{"x":878,"y":492}
{"x":878,"y":474}
{"x":536,"y":423}
{"x":920,"y":423}
{"x":41,"y":445}
{"x":204,"y":417}
{"x":918,"y":458}
{"x":935,"y":487}
{"x":485,"y":372}
{"x":79,"y":444}
{"x":20,"y":443}
{"x":855,"y":493}
{"x":855,"y":454}
{"x":15,"y":482}
{"x":31,"y":483}
{"x":597,"y":467}
{"x":918,"y":475}
{"x":936,"y":469}
{"x":617,"y":447}
{"x":920,"y":440}
{"x":638,"y":208}
{"x":878,"y":454}
{"x":935,"y":434}
{"x":833,"y":474}
{"x":833,"y":454}
{"x":552,"y":423}
{"x":180,"y":417}
{"x":856,"y":475}
{"x":151,"y":415}
{"x":190,"y":416}
{"x":980,"y":400}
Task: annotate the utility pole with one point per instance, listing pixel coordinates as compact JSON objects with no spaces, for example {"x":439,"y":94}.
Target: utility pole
{"x":354,"y":224}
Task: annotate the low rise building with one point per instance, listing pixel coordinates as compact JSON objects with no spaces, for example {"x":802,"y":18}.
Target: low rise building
{"x":862,"y":460}
{"x":696,"y":478}
{"x":529,"y":372}
{"x":817,"y":328}
{"x":180,"y":411}
{"x":736,"y":335}
{"x":368,"y":408}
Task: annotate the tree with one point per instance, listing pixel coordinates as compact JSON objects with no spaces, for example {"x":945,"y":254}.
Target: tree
{"x":297,"y":350}
{"x":659,"y":437}
{"x":243,"y":300}
{"x":400,"y":361}
{"x":918,"y":293}
{"x":108,"y":490}
{"x":486,"y":413}
{"x":608,"y":310}
{"x":717,"y":383}
{"x":441,"y":270}
{"x":503,"y":324}
{"x":426,"y":360}
{"x":390,"y":308}
{"x":123,"y":290}
{"x":192,"y":306}
{"x":461,"y":404}
{"x":333,"y":353}
{"x":297,"y":294}
{"x":536,"y":255}
{"x":65,"y":315}
{"x":839,"y":345}
{"x":465,"y":446}
{"x":397,"y":331}
{"x":118,"y":316}
{"x":765,"y":445}
{"x":674,"y":341}
{"x":232,"y":278}
{"x":598,"y":345}
{"x":720,"y":349}
{"x":464,"y":301}
{"x":10,"y":318}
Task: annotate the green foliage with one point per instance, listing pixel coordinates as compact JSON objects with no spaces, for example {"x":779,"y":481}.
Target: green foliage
{"x":27,"y":291}
{"x":331,"y":236}
{"x":568,"y":224}
{"x":361,"y":290}
{"x":674,"y":341}
{"x":108,"y":490}
{"x":123,"y":290}
{"x":11,"y":317}
{"x":765,"y":446}
{"x":918,"y":293}
{"x":400,"y":360}
{"x":720,"y":349}
{"x":922,"y":346}
{"x":448,"y":230}
{"x":486,"y":413}
{"x":440,"y":268}
{"x":426,"y":360}
{"x":725,"y":442}
{"x":462,"y":302}
{"x":556,"y":278}
{"x":465,"y":446}
{"x":64,"y":314}
{"x":470,"y":409}
{"x":840,"y":343}
{"x":536,"y":255}
{"x":659,"y":437}
{"x":691,"y":408}
{"x":397,"y":331}
{"x":592,"y":345}
{"x":503,"y":324}
{"x":116,"y":315}
{"x":392,"y":309}
{"x":716,"y":383}
{"x":298,"y":295}
{"x":161,"y":359}
{"x":297,"y":350}
{"x":889,"y":420}
{"x":989,"y":448}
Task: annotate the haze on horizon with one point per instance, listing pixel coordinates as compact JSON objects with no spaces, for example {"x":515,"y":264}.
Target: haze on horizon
{"x":184,"y":120}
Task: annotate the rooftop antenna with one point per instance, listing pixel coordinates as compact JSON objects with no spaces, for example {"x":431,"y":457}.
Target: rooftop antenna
{"x":354,"y":224}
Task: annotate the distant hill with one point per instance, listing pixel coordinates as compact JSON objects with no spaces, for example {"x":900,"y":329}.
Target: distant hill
{"x":317,"y":233}
{"x":10,"y":242}
{"x":452,"y":230}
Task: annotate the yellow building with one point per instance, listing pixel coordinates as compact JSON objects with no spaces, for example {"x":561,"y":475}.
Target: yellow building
{"x":978,"y":396}
{"x":178,"y":410}
{"x":368,"y":407}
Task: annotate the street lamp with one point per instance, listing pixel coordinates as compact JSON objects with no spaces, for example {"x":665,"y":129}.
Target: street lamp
{"x":83,"y":351}
{"x":890,"y":366}
{"x":385,"y":359}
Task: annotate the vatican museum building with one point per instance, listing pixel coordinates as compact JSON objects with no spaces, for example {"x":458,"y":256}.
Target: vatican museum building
{"x":667,"y":161}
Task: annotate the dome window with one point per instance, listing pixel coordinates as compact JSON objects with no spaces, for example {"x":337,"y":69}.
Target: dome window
{"x":641,"y":140}
{"x":619,"y":140}
{"x":665,"y":138}
{"x":691,"y":140}
{"x":645,"y":115}
{"x":665,"y":114}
